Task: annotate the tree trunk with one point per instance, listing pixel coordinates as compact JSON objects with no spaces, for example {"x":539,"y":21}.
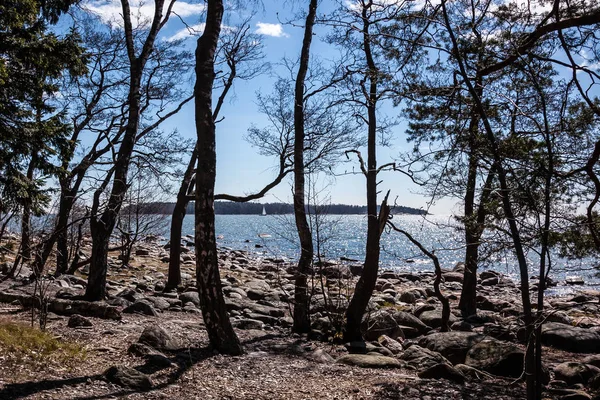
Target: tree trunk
{"x":102,"y":226}
{"x":59,"y":235}
{"x":177,"y":218}
{"x":96,"y":287}
{"x":220,"y":331}
{"x":301,"y":294}
{"x":366,"y":284}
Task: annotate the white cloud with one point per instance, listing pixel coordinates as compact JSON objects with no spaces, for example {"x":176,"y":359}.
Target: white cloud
{"x":275,"y":30}
{"x":111,"y":12}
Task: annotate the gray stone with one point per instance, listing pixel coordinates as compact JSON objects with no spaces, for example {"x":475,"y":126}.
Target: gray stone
{"x":433,"y":318}
{"x":408,"y":297}
{"x":393,"y":345}
{"x":247,"y":323}
{"x":452,"y":345}
{"x":158,"y":338}
{"x":570,"y":338}
{"x":573,"y":372}
{"x":128,"y":378}
{"x":497,"y":358}
{"x":320,"y":356}
{"x":420,"y":358}
{"x":453,"y":277}
{"x":443,"y":371}
{"x":411,"y":325}
{"x":76,"y":321}
{"x":141,"y":307}
{"x":190,"y":297}
{"x":255,"y":294}
{"x":381,"y":323}
{"x":159,"y":303}
{"x":369,"y":361}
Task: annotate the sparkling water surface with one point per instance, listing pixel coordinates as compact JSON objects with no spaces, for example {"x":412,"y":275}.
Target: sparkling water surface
{"x":345,"y":236}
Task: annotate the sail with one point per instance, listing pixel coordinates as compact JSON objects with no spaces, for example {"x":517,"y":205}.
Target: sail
{"x":264,"y":211}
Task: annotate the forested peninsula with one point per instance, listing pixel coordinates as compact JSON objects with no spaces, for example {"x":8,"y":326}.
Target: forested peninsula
{"x":233,"y":208}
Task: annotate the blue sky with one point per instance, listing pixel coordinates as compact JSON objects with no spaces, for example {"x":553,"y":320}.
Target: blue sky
{"x":240,"y":169}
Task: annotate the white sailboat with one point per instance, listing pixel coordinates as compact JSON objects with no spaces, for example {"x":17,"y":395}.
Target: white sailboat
{"x":264,"y":212}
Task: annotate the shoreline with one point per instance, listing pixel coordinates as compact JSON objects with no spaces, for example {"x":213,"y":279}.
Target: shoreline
{"x":401,"y":327}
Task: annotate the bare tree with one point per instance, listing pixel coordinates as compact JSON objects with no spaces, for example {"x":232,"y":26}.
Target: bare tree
{"x":139,"y":51}
{"x":241,"y":52}
{"x":220,"y":331}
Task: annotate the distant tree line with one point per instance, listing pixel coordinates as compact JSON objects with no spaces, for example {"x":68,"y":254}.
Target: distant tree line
{"x":233,"y":208}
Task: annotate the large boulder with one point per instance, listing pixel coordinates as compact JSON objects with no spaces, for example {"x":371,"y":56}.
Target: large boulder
{"x":141,"y":307}
{"x":190,"y":297}
{"x":570,"y":338}
{"x":158,"y":338}
{"x":433,"y":318}
{"x":420,"y":358}
{"x":452,"y":345}
{"x":411,"y":326}
{"x":497,"y":358}
{"x":369,"y":361}
{"x":392,"y":345}
{"x":381,"y":323}
{"x":573,"y":372}
{"x":128,"y":377}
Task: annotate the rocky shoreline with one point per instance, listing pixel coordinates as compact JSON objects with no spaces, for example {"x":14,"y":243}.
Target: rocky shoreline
{"x":401,"y":327}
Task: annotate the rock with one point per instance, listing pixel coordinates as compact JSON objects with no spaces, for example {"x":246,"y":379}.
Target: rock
{"x":128,"y":378}
{"x":381,"y":323}
{"x":142,"y":252}
{"x":452,"y":345}
{"x":462,"y":326}
{"x":570,"y":338}
{"x":453,"y":277}
{"x":158,"y":338}
{"x":500,"y":332}
{"x":265,"y":310}
{"x":76,"y":321}
{"x":140,"y":349}
{"x":497,"y":358}
{"x":159,"y":303}
{"x":419,"y":358}
{"x":356,"y":270}
{"x":159,"y":286}
{"x":410,"y":325}
{"x":574,"y":280}
{"x":490,"y":281}
{"x":393,"y":345}
{"x":141,"y":307}
{"x":255,"y":294}
{"x":258,"y":284}
{"x":574,"y":372}
{"x":247,"y":323}
{"x":320,"y":356}
{"x":408,"y":297}
{"x":488,"y":274}
{"x":433,"y":318}
{"x":130,"y":295}
{"x":443,"y":371}
{"x":574,"y":395}
{"x":369,"y":361}
{"x":592,"y":360}
{"x":119,"y":302}
{"x":190,"y":297}
{"x":459,"y":267}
